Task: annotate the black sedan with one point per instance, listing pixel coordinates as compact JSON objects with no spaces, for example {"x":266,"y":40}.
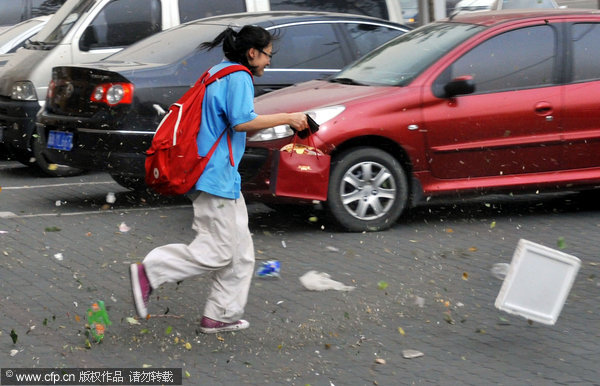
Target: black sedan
{"x":102,"y":116}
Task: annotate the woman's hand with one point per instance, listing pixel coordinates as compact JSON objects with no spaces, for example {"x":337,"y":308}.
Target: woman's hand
{"x":298,"y":121}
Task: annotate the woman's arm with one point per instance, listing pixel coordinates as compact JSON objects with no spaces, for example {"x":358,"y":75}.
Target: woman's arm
{"x":295,"y":120}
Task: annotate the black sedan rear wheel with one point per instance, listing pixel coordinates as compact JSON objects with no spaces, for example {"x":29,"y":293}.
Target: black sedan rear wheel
{"x":368,"y":189}
{"x":133,"y":183}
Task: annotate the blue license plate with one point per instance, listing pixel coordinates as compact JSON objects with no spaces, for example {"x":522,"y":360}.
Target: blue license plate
{"x":60,"y":140}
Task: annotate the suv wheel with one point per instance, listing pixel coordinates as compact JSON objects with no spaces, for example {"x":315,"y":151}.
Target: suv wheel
{"x":368,"y":189}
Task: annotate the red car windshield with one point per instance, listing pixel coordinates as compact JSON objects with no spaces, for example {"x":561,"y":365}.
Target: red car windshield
{"x":399,"y":61}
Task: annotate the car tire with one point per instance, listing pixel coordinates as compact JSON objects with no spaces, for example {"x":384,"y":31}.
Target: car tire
{"x":46,"y":166}
{"x":132,"y":183}
{"x":354,"y":201}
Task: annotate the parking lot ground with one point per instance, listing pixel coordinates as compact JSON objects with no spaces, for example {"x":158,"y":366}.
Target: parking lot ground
{"x":423,"y":285}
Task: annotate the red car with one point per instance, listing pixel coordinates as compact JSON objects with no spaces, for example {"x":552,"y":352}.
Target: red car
{"x":482,"y":102}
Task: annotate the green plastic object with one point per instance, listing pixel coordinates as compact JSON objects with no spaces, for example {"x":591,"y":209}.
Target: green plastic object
{"x":98,"y":320}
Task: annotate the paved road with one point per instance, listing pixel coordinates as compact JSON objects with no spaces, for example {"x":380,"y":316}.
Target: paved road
{"x":439,"y":300}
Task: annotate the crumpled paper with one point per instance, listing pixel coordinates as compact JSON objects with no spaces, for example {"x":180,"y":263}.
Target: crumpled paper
{"x":320,"y":281}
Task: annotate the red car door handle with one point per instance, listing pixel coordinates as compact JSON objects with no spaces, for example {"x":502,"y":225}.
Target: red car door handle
{"x":543,"y":108}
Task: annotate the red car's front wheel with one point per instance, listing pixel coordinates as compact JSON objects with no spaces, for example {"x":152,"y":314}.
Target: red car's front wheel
{"x":368,"y":189}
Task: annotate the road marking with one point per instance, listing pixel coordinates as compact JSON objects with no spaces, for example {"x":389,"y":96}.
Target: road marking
{"x":57,"y":185}
{"x":13,"y":215}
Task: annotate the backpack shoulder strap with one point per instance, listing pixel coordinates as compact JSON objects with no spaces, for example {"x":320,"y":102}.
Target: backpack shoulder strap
{"x":226,"y":71}
{"x":202,"y":78}
{"x":207,"y":79}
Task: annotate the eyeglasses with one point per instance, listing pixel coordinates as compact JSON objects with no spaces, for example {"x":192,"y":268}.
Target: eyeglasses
{"x":269,"y":55}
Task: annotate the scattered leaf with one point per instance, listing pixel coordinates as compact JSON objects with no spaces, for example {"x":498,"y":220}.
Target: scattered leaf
{"x":168,"y":330}
{"x":52,"y":229}
{"x":144,"y":331}
{"x":188,"y":345}
{"x":313,"y":219}
{"x":52,"y":166}
{"x":473,"y":249}
{"x":465,"y":276}
{"x":77,"y":318}
{"x":145,"y":366}
{"x":131,"y":320}
{"x":220,"y":338}
{"x":382,"y":285}
{"x":14,"y":336}
{"x":503,"y":321}
{"x":480,"y":331}
{"x":401,"y":331}
{"x":449,"y":230}
{"x":187,"y":374}
{"x":561,"y":243}
{"x":493,"y":225}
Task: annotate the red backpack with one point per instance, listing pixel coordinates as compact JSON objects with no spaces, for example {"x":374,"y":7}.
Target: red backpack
{"x":173,"y":165}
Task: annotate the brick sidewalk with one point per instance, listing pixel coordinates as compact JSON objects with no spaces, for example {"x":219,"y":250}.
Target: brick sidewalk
{"x":300,"y":337}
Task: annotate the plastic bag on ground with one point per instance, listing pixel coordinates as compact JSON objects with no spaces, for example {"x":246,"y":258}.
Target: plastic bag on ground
{"x":321,"y":281}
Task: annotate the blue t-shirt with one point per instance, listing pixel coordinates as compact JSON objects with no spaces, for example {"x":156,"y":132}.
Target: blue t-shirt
{"x":227,"y":102}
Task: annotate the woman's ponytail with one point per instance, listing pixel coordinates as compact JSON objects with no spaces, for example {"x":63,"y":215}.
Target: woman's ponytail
{"x":237,"y":44}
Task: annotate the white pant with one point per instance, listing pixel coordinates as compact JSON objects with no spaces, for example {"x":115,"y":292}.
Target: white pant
{"x":223,"y":246}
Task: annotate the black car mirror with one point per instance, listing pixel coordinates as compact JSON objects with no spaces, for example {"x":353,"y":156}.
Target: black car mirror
{"x":460,"y":86}
{"x":88,"y":39}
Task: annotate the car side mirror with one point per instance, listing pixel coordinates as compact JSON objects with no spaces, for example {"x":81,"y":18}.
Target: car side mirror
{"x":460,"y":86}
{"x":88,"y":39}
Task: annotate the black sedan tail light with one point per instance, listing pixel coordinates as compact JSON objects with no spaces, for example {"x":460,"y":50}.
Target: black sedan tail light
{"x":113,"y":93}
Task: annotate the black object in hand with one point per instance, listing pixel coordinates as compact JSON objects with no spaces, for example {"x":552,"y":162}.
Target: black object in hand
{"x":313,"y":127}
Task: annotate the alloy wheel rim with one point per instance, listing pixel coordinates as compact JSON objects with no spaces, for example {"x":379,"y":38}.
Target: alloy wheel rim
{"x":368,"y":190}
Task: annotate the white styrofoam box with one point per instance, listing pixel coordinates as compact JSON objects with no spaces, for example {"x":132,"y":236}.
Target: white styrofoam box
{"x":538,"y":282}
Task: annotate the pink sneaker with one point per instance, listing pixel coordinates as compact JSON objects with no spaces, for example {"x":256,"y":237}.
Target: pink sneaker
{"x":211,"y":326}
{"x":141,"y":289}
